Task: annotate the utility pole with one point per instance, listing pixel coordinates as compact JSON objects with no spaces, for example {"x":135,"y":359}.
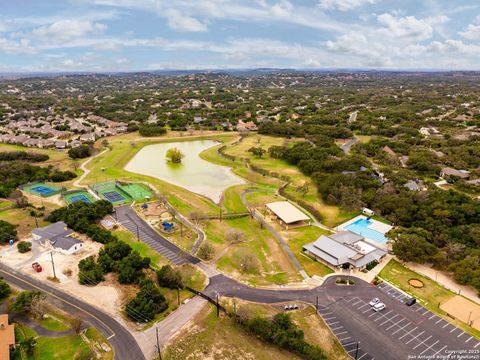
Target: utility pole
{"x":53,"y":265}
{"x":181,"y":229}
{"x":158,"y":345}
{"x":317,"y":303}
{"x":36,"y":220}
{"x":356,"y":351}
{"x":468,"y":321}
{"x":218,"y":307}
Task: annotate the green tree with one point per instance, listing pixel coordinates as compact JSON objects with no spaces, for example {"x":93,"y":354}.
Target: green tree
{"x":169,"y":277}
{"x":80,"y":152}
{"x":24,"y":300}
{"x":24,"y":246}
{"x":257,"y":151}
{"x":174,"y":155}
{"x":7,"y":232}
{"x":5,"y":289}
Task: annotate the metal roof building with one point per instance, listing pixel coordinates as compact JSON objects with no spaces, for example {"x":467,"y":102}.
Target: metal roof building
{"x":287,"y":213}
{"x":344,"y":248}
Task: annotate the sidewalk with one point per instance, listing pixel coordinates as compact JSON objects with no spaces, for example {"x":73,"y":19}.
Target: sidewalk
{"x":446,"y":280}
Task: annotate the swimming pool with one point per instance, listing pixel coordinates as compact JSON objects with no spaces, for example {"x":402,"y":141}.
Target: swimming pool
{"x":361,"y":227}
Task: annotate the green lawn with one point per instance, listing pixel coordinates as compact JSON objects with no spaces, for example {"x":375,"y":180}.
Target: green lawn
{"x":431,"y":295}
{"x":54,"y":323}
{"x":68,"y":347}
{"x":298,"y":237}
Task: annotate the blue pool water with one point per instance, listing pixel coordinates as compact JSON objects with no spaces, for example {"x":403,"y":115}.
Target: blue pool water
{"x":360,"y":227}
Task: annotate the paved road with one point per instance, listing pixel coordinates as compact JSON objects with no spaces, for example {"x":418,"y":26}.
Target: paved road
{"x":123,"y":342}
{"x":395,"y":333}
{"x":346,"y":147}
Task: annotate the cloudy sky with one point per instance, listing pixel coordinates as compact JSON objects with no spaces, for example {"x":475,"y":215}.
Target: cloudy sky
{"x":128,"y":35}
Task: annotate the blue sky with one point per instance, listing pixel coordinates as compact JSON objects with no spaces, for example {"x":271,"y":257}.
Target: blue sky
{"x":130,"y":35}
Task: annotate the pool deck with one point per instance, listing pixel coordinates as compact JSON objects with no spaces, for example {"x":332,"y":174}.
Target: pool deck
{"x":375,"y":226}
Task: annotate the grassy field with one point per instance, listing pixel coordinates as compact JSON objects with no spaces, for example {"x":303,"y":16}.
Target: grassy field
{"x":431,"y":295}
{"x":298,"y":237}
{"x":68,"y":347}
{"x":275,"y":267}
{"x":220,"y":338}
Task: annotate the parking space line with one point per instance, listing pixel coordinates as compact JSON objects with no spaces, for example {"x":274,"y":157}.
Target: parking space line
{"x":408,"y":332}
{"x":333,"y":323}
{"x":369,"y":309}
{"x":402,"y":328}
{"x":470,"y":338}
{"x":425,"y":312}
{"x":327,"y":313}
{"x":438,"y":352}
{"x":383,"y":316}
{"x":431,"y":317}
{"x":460,"y":334}
{"x":454,"y":328}
{"x":362,"y":356}
{"x":439,"y":321}
{"x":419,"y":308}
{"x":395,"y":324}
{"x":366,"y":304}
{"x":340,"y":333}
{"x":391,"y":319}
{"x":409,"y":341}
{"x":422,"y":342}
{"x":336,"y":328}
{"x":447,"y":323}
{"x":331,"y":317}
{"x":476,"y":345}
{"x":431,"y":346}
{"x":348,"y":337}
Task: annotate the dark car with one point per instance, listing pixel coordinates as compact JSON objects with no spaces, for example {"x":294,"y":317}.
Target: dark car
{"x":410,"y":302}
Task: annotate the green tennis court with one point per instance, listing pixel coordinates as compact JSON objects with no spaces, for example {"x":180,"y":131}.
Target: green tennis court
{"x":112,"y":192}
{"x":41,"y":189}
{"x":76,"y":196}
{"x":137,"y":192}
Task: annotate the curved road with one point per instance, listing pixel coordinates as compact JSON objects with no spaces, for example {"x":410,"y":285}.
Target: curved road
{"x":124,"y":344}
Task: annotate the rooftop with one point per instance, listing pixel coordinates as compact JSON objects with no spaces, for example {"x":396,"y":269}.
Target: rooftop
{"x":287,"y":212}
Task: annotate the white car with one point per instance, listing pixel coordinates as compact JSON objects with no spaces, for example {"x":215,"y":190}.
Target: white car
{"x":374,"y":301}
{"x":378,"y":307}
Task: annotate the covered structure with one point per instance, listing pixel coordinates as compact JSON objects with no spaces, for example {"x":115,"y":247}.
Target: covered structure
{"x":288,"y":214}
{"x":7,"y":337}
{"x":59,"y":237}
{"x":344,"y":249}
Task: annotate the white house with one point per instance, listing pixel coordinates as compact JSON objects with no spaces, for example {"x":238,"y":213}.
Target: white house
{"x":59,"y":237}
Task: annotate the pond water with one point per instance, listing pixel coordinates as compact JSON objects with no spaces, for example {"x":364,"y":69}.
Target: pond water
{"x":194,"y":174}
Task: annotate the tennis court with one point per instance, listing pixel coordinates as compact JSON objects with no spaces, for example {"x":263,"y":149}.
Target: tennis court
{"x":41,"y":189}
{"x":113,"y":196}
{"x":77,"y":196}
{"x":136,"y":191}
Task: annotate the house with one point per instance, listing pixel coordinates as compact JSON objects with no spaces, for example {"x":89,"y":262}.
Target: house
{"x":75,"y":143}
{"x":59,"y":237}
{"x":61,"y":144}
{"x":7,"y":337}
{"x":246,"y":126}
{"x":368,"y":211}
{"x":287,"y":213}
{"x":344,"y":249}
{"x":389,"y":150}
{"x":448,"y":171}
{"x":198,"y":119}
{"x":87,"y":138}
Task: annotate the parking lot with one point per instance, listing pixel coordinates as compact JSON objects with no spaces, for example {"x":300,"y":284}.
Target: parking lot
{"x":396,"y":332}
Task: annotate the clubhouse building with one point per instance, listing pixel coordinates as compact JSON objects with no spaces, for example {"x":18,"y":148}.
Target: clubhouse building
{"x":344,"y":249}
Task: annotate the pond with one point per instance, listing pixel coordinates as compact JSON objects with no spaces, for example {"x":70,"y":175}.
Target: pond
{"x":194,"y":174}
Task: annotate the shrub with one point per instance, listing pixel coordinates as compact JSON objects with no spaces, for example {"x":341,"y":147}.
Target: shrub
{"x":24,"y":246}
{"x":169,"y":277}
{"x":90,"y":271}
{"x":206,"y":251}
{"x":80,"y":152}
{"x":24,"y":301}
{"x":148,"y":303}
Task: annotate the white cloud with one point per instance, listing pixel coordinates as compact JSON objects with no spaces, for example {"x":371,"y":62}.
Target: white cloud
{"x":65,"y":30}
{"x":472,"y":32}
{"x":22,"y":46}
{"x":343,"y":5}
{"x":183,"y":23}
{"x":409,"y":27}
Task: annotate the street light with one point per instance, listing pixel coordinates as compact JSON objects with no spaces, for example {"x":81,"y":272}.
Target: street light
{"x":356,"y":351}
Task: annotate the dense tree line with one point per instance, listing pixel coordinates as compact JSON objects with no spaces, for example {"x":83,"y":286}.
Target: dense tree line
{"x":116,"y":256}
{"x":5,"y":289}
{"x":15,"y":173}
{"x":80,"y":152}
{"x":282,"y":332}
{"x":7,"y":232}
{"x":147,"y":304}
{"x":23,"y":156}
{"x":82,"y":217}
{"x":152,"y":130}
